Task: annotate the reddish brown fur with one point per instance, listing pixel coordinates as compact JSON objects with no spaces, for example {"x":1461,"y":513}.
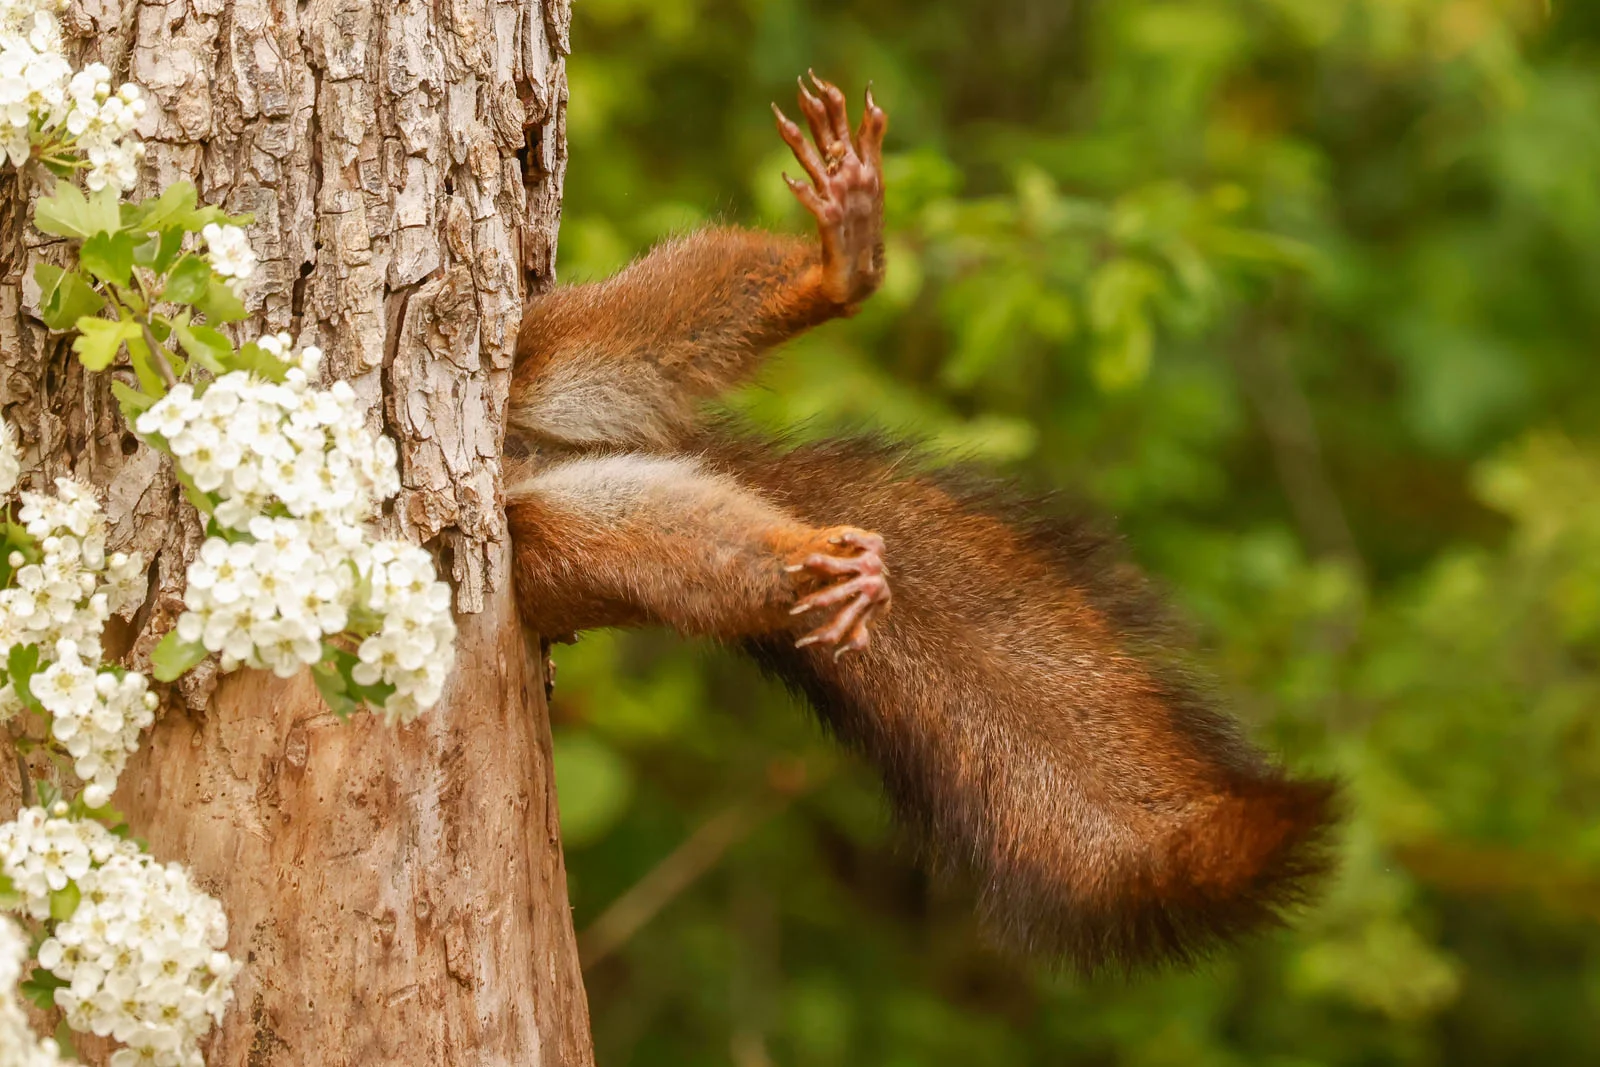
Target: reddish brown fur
{"x":1034,"y":733}
{"x":1034,"y":728}
{"x":625,"y":540}
{"x":701,"y":312}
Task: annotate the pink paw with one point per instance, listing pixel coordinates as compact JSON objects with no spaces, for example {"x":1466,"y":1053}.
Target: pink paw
{"x":857,"y":589}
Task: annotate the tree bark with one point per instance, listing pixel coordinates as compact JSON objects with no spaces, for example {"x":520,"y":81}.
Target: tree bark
{"x":397,"y":895}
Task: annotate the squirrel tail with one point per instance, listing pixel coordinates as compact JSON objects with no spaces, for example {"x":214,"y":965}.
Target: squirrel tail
{"x":1035,"y":732}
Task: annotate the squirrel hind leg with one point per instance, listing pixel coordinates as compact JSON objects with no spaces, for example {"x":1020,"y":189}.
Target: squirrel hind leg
{"x":633,"y":539}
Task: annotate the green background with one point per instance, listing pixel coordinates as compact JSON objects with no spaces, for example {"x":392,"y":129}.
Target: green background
{"x":1306,"y":293}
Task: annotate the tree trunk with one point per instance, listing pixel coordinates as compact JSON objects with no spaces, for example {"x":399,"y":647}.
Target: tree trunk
{"x":397,"y":895}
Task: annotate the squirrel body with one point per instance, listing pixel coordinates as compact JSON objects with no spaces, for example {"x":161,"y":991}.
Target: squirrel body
{"x":1034,"y":732}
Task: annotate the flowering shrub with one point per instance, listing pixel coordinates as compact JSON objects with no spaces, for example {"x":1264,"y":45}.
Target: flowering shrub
{"x":287,"y":476}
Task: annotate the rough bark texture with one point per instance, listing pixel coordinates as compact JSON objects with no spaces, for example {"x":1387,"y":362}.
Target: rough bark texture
{"x":398,"y":895}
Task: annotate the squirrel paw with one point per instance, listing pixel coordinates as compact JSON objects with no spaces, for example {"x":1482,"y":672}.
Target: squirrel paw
{"x":851,"y":562}
{"x":846,"y":190}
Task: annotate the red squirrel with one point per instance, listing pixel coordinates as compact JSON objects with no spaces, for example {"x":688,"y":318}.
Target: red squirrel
{"x":1009,"y":676}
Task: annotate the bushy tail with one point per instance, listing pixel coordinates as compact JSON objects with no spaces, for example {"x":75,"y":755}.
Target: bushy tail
{"x":1032,"y":730}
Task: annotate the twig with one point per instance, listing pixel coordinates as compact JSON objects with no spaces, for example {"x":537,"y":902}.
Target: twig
{"x":158,"y":356}
{"x":704,"y":849}
{"x":24,"y":781}
{"x":1286,"y":419}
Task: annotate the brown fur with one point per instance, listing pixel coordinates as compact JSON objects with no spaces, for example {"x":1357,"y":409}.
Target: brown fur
{"x":1034,"y":730}
{"x":701,"y":312}
{"x":627,"y":539}
{"x":1034,"y":734}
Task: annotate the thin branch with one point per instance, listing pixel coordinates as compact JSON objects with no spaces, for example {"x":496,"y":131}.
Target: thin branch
{"x":158,"y":356}
{"x":24,"y":781}
{"x":687,"y":864}
{"x":1287,"y":421}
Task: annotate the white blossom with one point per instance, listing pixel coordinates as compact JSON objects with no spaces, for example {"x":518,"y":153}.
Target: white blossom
{"x":44,"y":103}
{"x":97,"y":715}
{"x":295,"y":473}
{"x":231,"y":254}
{"x":59,"y":604}
{"x":33,"y":84}
{"x":19,"y":1047}
{"x":142,"y":955}
{"x":73,"y":587}
{"x":415,"y":648}
{"x":102,"y":124}
{"x":267,"y":603}
{"x":252,"y":442}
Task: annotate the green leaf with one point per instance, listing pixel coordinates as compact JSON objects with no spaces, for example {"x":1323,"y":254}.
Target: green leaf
{"x":256,"y":360}
{"x":15,"y":538}
{"x":65,"y":901}
{"x":22,"y":664}
{"x":68,"y":213}
{"x":41,"y":988}
{"x":374,"y":696}
{"x":99,"y":339}
{"x":150,"y":379}
{"x":132,"y":402}
{"x":331,"y":683}
{"x":159,"y":250}
{"x":10,"y":899}
{"x":48,"y":275}
{"x":139,"y":349}
{"x":189,"y":281}
{"x":1119,"y":291}
{"x":174,"y":655}
{"x":64,"y":1042}
{"x":221,"y":303}
{"x":178,"y":206}
{"x":171,"y":208}
{"x":65,"y":297}
{"x":1121,"y":359}
{"x":595,"y":784}
{"x":206,"y":346}
{"x":108,"y":256}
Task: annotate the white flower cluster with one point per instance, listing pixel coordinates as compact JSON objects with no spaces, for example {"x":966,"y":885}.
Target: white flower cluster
{"x":102,"y":122}
{"x":254,"y":442}
{"x":42,"y":101}
{"x":33,"y":73}
{"x":268,"y":603}
{"x":415,"y":648}
{"x":97,"y":715}
{"x":231,"y":254}
{"x":142,"y":955}
{"x":295,"y":468}
{"x":18,"y":1045}
{"x":73,"y":588}
{"x":29,"y":18}
{"x":60,"y":605}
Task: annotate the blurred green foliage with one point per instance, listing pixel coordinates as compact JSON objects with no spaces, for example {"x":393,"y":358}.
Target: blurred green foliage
{"x":1306,"y":293}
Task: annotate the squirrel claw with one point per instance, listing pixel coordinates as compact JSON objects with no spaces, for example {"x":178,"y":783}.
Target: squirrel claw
{"x":845,"y":194}
{"x":860,"y":596}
